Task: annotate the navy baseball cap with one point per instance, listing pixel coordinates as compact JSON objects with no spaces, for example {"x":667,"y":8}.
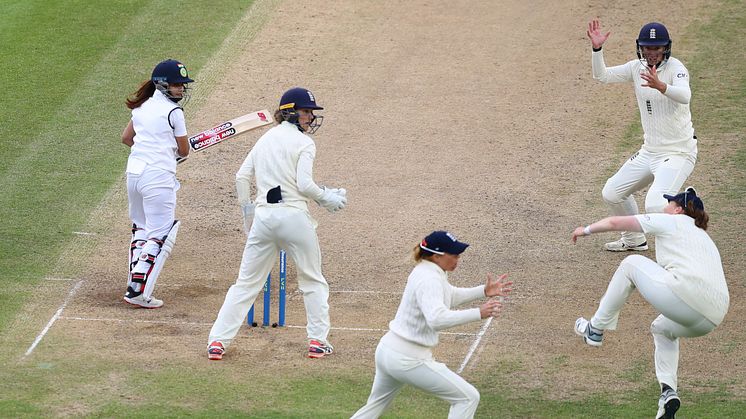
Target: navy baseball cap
{"x":683,"y":198}
{"x":440,"y":242}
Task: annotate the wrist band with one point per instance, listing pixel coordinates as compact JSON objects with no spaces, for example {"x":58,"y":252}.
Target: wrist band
{"x":587,"y":230}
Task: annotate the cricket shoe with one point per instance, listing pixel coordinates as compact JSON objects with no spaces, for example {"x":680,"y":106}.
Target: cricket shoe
{"x":317,"y":349}
{"x":141,"y":301}
{"x":215,"y":351}
{"x":668,"y":404}
{"x":591,"y":335}
{"x":621,"y":246}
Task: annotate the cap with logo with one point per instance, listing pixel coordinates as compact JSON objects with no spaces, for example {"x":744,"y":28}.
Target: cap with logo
{"x":441,"y":242}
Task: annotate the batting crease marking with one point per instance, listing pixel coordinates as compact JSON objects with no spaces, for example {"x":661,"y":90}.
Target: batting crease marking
{"x":83,"y":233}
{"x":53,"y":319}
{"x":474,"y":345}
{"x":355,"y":329}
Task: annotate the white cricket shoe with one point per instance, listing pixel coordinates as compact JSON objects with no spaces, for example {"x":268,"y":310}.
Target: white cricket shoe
{"x":143,"y":302}
{"x":590,"y":335}
{"x":668,"y":404}
{"x":621,"y":246}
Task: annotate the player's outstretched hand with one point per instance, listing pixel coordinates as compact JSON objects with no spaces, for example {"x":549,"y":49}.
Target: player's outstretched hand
{"x":595,"y":35}
{"x":652,"y":80}
{"x":578,"y":233}
{"x":497,"y":288}
{"x":490,"y":309}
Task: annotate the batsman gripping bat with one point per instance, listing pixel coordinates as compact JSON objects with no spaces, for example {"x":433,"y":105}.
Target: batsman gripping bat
{"x":228,"y":129}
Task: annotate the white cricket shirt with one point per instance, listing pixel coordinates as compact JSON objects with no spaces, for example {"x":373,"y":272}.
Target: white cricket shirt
{"x":427,"y":302}
{"x":688,"y":252}
{"x":666,"y":118}
{"x":283,"y":157}
{"x":155,"y":139}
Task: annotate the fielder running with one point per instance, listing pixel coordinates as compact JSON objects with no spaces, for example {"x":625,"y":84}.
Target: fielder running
{"x":404,"y":354}
{"x":669,"y":150}
{"x":687,"y":285}
{"x":281,"y":164}
{"x":157,"y":136}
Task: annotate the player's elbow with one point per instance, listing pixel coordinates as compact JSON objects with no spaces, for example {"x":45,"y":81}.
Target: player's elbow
{"x":306,"y":187}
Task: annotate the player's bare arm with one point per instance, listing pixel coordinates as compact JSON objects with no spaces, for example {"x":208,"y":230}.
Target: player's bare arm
{"x":182,"y":146}
{"x":595,"y":35}
{"x":128,"y":135}
{"x":615,"y":223}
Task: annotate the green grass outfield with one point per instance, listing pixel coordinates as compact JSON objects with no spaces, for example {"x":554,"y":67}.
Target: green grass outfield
{"x":67,"y":66}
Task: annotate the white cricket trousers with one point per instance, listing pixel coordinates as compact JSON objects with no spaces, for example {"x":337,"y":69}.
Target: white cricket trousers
{"x":664,"y":172}
{"x":676,"y":319}
{"x":275,"y":228}
{"x":152,"y":203}
{"x":398,"y":364}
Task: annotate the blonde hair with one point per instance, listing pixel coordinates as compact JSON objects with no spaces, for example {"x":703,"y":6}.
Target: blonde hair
{"x":419,"y":254}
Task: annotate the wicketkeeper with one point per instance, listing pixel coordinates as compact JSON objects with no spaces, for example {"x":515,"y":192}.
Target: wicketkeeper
{"x":281,"y":164}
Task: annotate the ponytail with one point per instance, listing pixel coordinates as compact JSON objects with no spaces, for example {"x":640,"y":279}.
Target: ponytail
{"x":700,"y":216}
{"x":143,"y":93}
{"x":419,"y":254}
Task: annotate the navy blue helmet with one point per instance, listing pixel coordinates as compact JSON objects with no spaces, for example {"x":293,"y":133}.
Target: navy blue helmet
{"x":300,"y":98}
{"x":654,"y":34}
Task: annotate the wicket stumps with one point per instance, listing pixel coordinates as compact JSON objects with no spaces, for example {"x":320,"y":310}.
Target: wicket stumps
{"x":267,"y":301}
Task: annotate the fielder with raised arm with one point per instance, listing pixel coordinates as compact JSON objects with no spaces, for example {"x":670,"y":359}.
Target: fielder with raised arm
{"x":669,"y":150}
{"x":685,"y":283}
{"x":281,"y":163}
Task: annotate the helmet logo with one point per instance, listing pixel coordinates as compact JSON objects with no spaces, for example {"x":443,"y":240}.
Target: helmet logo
{"x":652,"y":33}
{"x":182,"y":70}
{"x":310,"y":96}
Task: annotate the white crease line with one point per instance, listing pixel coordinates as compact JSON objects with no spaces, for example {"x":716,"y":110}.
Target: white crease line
{"x":83,"y":233}
{"x":51,"y":278}
{"x":53,"y":319}
{"x":474,"y":345}
{"x":354,"y":329}
{"x":365,"y":292}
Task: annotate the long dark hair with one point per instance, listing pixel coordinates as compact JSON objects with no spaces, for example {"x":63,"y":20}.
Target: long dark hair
{"x":143,"y":93}
{"x":700,"y":216}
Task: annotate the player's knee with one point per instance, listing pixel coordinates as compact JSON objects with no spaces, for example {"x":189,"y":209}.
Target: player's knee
{"x":610,"y":194}
{"x":654,"y":204}
{"x":472,"y":395}
{"x":655,"y":327}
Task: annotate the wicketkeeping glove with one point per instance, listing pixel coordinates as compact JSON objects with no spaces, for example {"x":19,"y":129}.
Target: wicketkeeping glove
{"x":333,"y":201}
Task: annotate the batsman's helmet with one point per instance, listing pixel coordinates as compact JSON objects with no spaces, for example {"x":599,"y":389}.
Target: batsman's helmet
{"x":299,"y":98}
{"x":171,"y":71}
{"x":654,"y":34}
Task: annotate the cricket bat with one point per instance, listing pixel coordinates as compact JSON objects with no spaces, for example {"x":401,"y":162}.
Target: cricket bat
{"x":229,"y":129}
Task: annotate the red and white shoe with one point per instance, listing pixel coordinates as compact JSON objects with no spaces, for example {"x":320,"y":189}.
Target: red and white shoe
{"x":215,"y":351}
{"x":317,"y":349}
